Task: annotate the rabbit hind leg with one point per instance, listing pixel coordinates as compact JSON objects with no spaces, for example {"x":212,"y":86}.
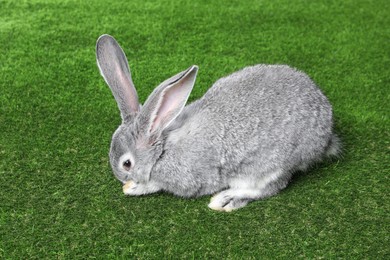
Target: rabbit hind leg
{"x":242,"y":191}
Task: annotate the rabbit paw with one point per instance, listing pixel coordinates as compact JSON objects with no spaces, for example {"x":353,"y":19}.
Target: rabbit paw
{"x":227,"y":201}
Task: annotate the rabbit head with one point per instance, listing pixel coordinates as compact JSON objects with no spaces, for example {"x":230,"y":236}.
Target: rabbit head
{"x":137,"y":144}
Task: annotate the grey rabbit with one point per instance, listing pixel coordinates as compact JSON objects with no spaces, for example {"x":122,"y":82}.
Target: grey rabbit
{"x":241,"y":141}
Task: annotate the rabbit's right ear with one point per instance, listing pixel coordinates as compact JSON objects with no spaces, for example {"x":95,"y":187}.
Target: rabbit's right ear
{"x":115,"y":70}
{"x":166,"y":102}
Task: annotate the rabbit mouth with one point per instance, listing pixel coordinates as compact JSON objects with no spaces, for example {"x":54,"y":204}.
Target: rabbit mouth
{"x":125,"y":178}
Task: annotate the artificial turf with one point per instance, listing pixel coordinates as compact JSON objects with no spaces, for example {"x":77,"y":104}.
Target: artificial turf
{"x":58,"y":196}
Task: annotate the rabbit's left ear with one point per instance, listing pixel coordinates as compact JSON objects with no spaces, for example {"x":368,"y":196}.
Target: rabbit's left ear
{"x":167,"y":101}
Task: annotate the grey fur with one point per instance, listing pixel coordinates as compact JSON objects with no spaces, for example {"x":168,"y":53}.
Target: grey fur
{"x":243,"y":139}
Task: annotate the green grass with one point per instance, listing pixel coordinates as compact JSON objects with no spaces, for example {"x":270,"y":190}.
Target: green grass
{"x":58,"y":197}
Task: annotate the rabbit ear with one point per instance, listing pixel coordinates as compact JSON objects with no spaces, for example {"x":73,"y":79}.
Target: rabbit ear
{"x":115,"y":70}
{"x":167,"y":101}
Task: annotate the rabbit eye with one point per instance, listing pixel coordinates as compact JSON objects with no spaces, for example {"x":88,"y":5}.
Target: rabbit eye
{"x":127,"y":165}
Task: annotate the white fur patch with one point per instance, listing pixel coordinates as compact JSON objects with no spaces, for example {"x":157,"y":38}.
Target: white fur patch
{"x":253,"y":182}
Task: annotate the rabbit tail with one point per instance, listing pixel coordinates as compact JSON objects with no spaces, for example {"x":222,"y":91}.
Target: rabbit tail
{"x":334,"y":147}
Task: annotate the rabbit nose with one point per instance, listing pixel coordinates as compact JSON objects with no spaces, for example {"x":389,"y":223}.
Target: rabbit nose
{"x":126,"y":178}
